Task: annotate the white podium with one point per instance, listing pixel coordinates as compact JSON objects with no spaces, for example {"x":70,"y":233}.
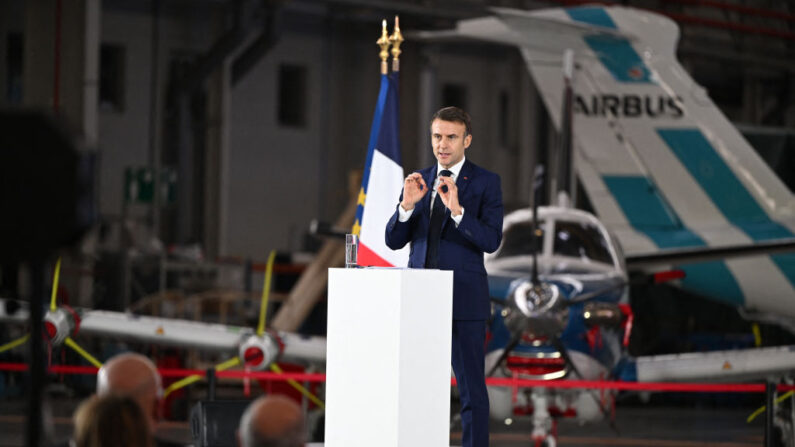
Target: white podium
{"x":388,"y":358}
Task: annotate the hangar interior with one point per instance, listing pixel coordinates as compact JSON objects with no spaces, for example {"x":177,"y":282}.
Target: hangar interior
{"x":221,"y":129}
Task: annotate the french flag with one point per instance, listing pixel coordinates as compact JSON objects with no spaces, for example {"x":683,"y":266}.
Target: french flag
{"x":382,"y":181}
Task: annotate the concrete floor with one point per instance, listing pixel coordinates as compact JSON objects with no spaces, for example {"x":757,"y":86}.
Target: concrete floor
{"x":646,"y":426}
{"x":682,"y":425}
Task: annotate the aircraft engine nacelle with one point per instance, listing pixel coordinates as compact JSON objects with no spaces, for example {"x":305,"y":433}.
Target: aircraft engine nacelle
{"x":536,"y":309}
{"x":59,"y":324}
{"x":258,"y":353}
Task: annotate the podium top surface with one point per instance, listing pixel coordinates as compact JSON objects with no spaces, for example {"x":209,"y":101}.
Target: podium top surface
{"x":395,"y":270}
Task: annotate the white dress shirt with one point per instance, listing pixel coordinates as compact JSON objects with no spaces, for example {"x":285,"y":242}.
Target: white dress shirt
{"x":404,"y":215}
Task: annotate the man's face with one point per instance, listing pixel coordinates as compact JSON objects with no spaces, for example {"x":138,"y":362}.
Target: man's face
{"x":449,"y":142}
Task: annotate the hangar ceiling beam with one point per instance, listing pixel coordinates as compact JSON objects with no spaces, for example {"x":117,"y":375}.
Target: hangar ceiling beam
{"x":244,"y":14}
{"x":271,"y":27}
{"x":244,"y":18}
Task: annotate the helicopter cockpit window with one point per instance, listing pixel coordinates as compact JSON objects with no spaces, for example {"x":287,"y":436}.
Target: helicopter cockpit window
{"x":581,"y":240}
{"x":517,"y":240}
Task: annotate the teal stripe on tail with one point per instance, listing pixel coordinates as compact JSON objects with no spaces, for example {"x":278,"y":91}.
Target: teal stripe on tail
{"x":648,"y":213}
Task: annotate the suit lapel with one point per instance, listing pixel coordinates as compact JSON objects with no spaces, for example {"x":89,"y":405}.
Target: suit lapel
{"x":464,"y":177}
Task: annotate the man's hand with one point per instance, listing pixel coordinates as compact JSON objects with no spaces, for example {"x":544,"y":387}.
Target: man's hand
{"x":414,"y":189}
{"x":449,"y":198}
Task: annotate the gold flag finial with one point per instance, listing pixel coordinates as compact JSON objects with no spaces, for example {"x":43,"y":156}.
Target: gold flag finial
{"x":383,"y":42}
{"x":396,"y":39}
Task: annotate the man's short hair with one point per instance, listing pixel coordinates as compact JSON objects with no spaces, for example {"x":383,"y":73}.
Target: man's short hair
{"x":454,"y":114}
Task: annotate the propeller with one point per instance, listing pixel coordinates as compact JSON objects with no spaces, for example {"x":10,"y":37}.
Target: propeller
{"x":255,"y":349}
{"x":538,"y":181}
{"x":53,"y":308}
{"x":541,"y":309}
{"x":564,"y":352}
{"x":234,"y":361}
{"x":59,"y":323}
{"x":541,"y":303}
{"x":13,"y":344}
{"x":536,"y":306}
{"x":508,"y":348}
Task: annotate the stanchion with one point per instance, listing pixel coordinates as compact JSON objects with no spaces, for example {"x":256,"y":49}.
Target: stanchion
{"x":37,"y":377}
{"x":248,"y":276}
{"x":211,"y":384}
{"x":770,"y":398}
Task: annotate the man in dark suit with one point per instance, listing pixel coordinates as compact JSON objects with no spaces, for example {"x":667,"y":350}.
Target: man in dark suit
{"x":450,"y":229}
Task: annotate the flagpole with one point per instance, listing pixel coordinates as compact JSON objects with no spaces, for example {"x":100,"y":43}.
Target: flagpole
{"x":383,"y":42}
{"x":396,"y":39}
{"x":382,"y":179}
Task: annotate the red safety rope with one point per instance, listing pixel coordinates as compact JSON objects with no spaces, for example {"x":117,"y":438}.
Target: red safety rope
{"x":495,"y":381}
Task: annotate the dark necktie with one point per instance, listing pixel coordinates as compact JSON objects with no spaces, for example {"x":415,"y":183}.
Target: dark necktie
{"x":435,"y":228}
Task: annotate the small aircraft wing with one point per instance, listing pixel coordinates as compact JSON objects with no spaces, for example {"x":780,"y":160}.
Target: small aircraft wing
{"x":169,"y":331}
{"x":733,"y":365}
{"x":190,"y":334}
{"x":194,"y":334}
{"x":701,"y":254}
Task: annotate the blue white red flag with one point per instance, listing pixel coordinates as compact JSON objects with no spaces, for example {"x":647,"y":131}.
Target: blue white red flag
{"x":382,"y":181}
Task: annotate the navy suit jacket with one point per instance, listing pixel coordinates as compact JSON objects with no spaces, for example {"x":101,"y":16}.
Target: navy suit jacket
{"x":461,"y":249}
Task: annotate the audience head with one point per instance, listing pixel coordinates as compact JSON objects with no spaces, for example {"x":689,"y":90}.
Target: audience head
{"x":111,"y":421}
{"x":134,"y":376}
{"x":272,"y":421}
